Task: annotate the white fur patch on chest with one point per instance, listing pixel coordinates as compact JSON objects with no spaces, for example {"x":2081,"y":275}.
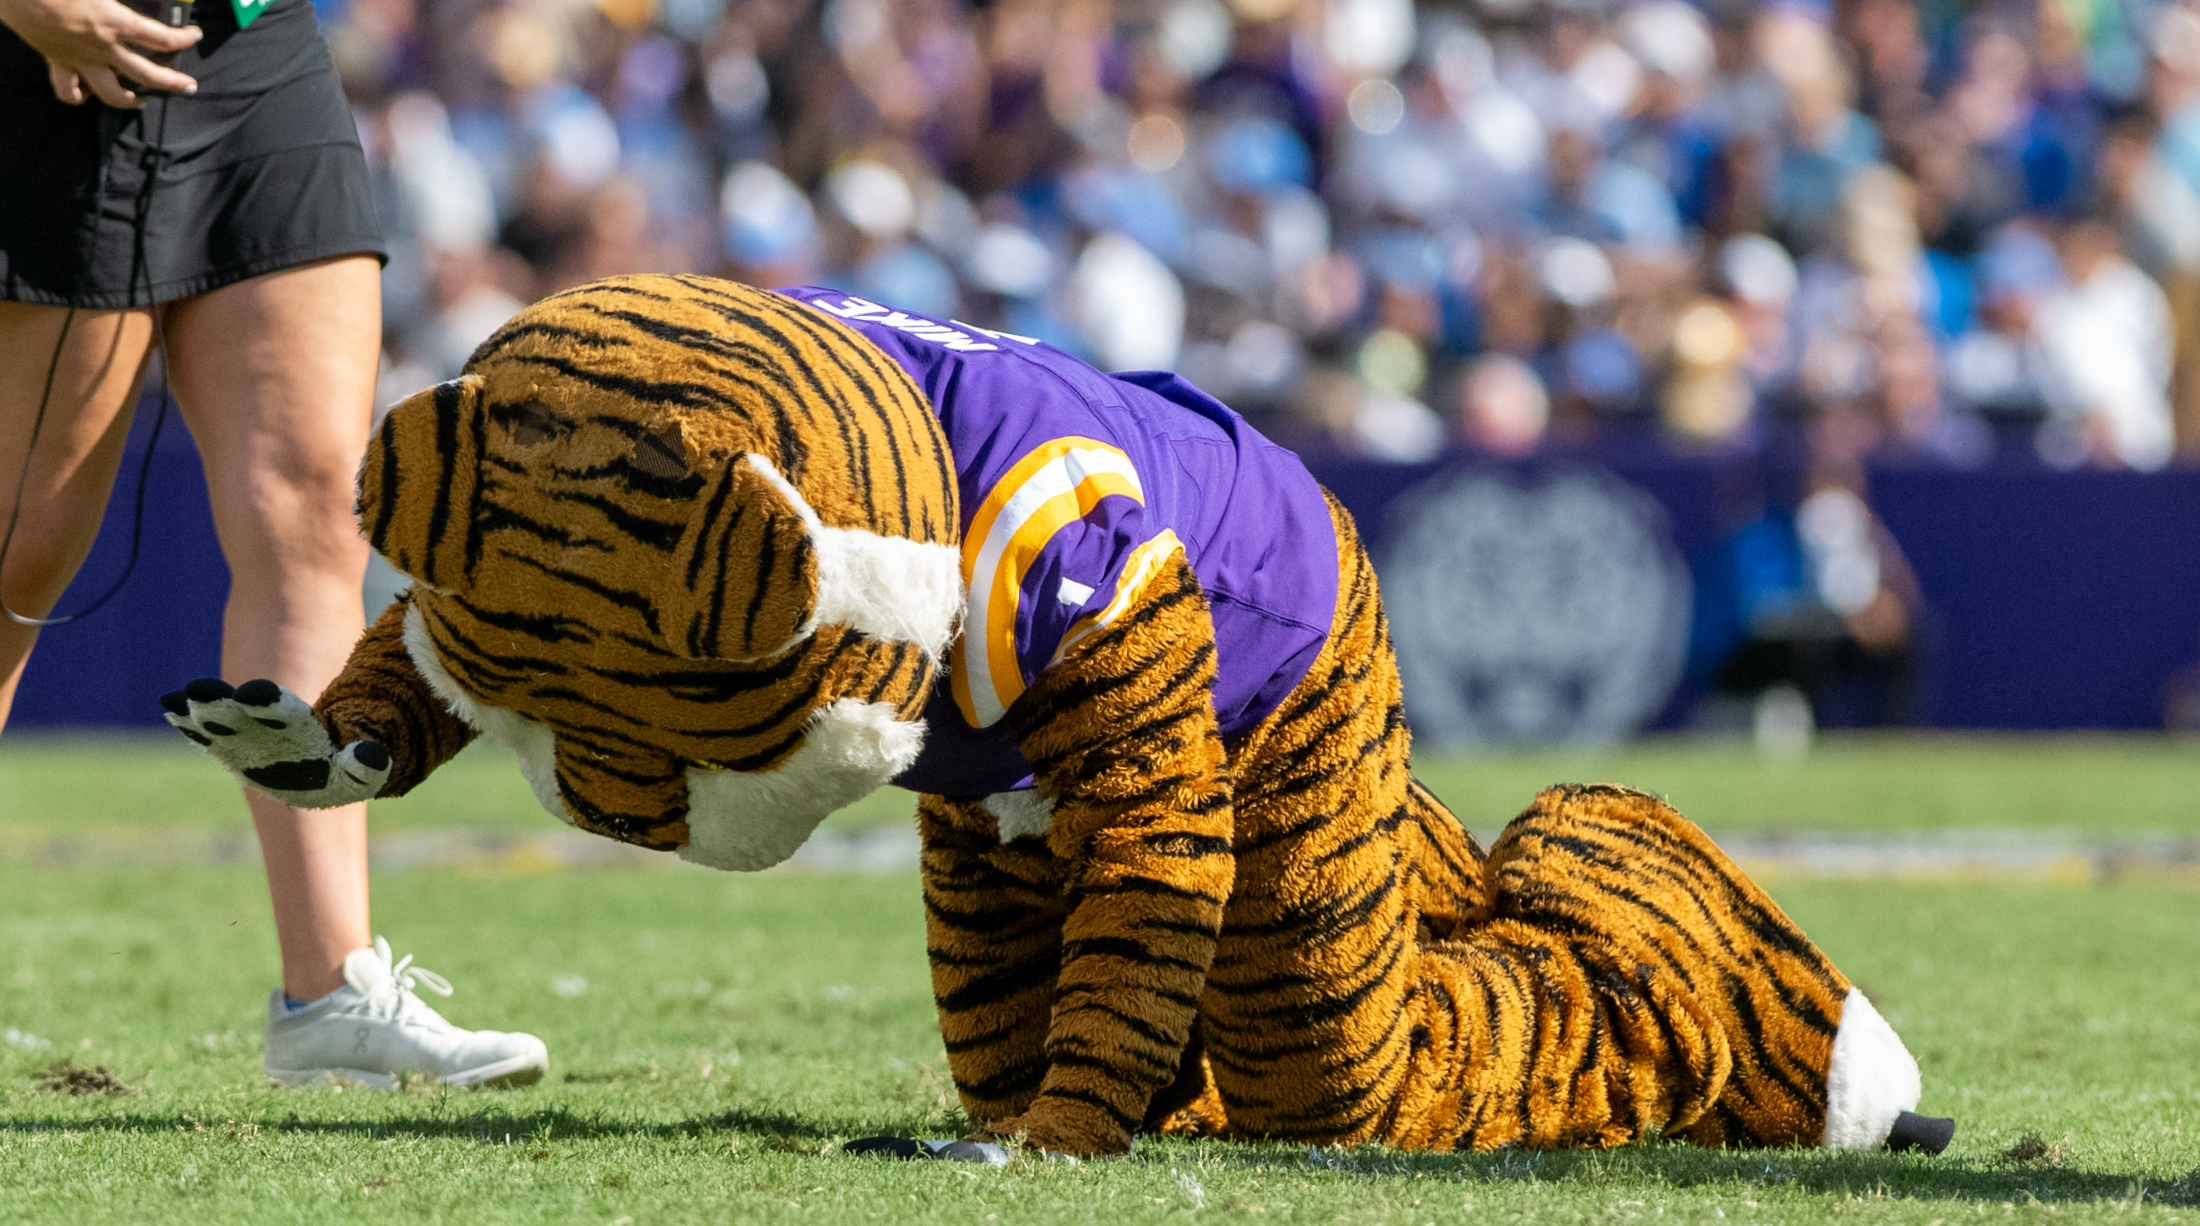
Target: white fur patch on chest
{"x":536,"y":744}
{"x":1020,"y":813}
{"x":747,"y":820}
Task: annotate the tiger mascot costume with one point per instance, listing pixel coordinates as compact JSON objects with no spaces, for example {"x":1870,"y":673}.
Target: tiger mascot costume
{"x":701,"y":554}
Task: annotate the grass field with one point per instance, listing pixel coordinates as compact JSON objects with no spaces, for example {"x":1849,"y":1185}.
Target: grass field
{"x":714,"y":1036}
{"x":2121,"y":785}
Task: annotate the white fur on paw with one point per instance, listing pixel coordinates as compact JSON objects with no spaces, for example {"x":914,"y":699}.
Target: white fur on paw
{"x":281,"y":749}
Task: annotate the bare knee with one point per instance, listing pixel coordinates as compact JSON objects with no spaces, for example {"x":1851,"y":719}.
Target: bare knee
{"x":290,"y":524}
{"x":40,"y":565}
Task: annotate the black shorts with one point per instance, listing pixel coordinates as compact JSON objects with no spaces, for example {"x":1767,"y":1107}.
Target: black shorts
{"x":258,"y":171}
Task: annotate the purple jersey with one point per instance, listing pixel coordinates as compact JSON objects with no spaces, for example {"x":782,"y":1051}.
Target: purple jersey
{"x":1076,"y":486}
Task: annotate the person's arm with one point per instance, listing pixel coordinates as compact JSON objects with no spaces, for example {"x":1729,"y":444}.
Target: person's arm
{"x":1122,"y":736}
{"x":90,"y":45}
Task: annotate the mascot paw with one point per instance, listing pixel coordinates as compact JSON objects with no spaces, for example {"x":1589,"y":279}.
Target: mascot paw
{"x":948,"y":1151}
{"x":270,"y":738}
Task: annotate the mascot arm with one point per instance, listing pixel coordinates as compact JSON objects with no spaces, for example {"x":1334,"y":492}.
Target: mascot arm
{"x":1121,"y":734}
{"x":378,"y":729}
{"x":993,"y":914}
{"x":381,"y":697}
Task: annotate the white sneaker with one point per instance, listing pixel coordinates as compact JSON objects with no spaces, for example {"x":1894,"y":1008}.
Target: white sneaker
{"x":374,"y":1028}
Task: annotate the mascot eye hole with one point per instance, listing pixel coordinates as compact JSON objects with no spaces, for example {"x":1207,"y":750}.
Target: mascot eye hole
{"x":661,"y":456}
{"x":530,"y":423}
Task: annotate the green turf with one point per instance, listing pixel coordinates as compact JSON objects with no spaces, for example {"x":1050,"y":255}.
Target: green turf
{"x":2086,"y":785}
{"x":1866,"y":782}
{"x":59,"y":784}
{"x":734,"y":1028}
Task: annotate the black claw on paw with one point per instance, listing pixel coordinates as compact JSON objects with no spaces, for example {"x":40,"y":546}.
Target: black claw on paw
{"x":1927,"y":1134}
{"x":260,"y":693}
{"x":203,"y":740}
{"x":309,"y":775}
{"x":175,"y":703}
{"x":371,"y":755}
{"x":888,"y":1147}
{"x":207,"y":689}
{"x":218,"y":729}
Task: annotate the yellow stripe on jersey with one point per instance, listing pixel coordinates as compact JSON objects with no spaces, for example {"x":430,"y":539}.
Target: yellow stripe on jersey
{"x":1056,"y":485}
{"x":1130,"y":582}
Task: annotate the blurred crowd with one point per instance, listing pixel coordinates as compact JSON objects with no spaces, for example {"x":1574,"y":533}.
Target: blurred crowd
{"x":1965,"y":233}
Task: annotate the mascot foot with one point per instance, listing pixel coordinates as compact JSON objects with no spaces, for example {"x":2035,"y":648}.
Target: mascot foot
{"x":950,"y":1151}
{"x":1871,"y":1082}
{"x":270,"y":738}
{"x":1925,"y":1134}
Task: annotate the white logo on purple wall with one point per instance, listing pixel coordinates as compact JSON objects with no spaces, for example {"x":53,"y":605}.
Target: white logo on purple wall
{"x":1533,"y":609}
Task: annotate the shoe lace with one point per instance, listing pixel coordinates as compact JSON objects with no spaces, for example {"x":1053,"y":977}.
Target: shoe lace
{"x":394,"y":997}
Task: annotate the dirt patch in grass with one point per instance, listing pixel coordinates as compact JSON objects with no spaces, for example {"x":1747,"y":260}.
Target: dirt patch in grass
{"x":69,"y":1077}
{"x":2033,"y":1150}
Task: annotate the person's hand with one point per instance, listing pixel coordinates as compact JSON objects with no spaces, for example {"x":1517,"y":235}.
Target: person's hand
{"x":90,"y":44}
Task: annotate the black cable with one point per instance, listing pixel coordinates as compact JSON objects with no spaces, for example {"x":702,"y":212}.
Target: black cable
{"x":140,"y":267}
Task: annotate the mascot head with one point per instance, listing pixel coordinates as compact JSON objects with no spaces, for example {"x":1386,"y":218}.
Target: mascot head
{"x":689,"y":547}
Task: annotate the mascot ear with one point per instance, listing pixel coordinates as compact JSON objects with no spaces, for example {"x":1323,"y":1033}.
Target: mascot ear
{"x":417,"y":488}
{"x":743,"y":583}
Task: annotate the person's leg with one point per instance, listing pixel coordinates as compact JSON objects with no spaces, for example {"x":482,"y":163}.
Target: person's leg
{"x":79,"y":447}
{"x":275,"y":376}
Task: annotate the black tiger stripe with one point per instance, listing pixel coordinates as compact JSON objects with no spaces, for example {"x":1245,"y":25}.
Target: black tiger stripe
{"x":506,"y":669}
{"x":624,"y":599}
{"x":879,"y":373}
{"x":714,"y":513}
{"x":852,"y":443}
{"x":549,"y":627}
{"x":493,"y":517}
{"x":448,"y":398}
{"x":992,"y":989}
{"x":650,"y":392}
{"x":660,"y":535}
{"x":387,"y":508}
{"x":478,"y":421}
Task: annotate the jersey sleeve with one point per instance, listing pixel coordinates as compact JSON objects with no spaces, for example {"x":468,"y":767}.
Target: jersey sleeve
{"x":1062,"y":543}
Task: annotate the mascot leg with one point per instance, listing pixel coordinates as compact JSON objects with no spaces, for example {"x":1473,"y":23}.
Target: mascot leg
{"x":1449,"y":890}
{"x":1604,"y":974}
{"x":1629,"y":978}
{"x":1621,"y":979}
{"x":1345,"y":867}
{"x":1811,"y":1061}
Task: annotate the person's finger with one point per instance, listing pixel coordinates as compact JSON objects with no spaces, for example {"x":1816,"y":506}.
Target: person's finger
{"x":140,"y":30}
{"x":65,"y":84}
{"x":110,"y":91}
{"x":150,"y":75}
